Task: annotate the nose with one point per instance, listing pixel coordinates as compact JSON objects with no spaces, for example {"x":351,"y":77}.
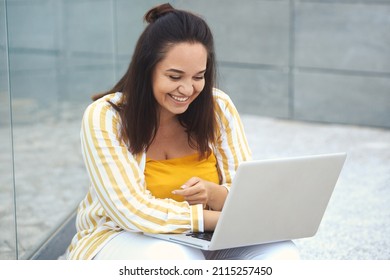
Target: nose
{"x":186,"y":88}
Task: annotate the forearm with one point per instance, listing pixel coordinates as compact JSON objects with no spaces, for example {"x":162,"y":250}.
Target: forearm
{"x":210,"y":219}
{"x":217,"y":196}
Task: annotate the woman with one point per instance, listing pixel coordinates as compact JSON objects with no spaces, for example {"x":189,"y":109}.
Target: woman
{"x":161,"y":149}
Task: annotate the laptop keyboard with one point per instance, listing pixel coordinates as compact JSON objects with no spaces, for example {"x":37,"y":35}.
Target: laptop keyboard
{"x":201,"y":235}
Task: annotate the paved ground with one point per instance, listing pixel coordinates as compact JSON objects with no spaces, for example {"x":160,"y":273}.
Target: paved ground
{"x":50,"y":179}
{"x":356,"y":224}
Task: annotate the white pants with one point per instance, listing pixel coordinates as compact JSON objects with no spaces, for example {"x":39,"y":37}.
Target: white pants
{"x":136,"y":246}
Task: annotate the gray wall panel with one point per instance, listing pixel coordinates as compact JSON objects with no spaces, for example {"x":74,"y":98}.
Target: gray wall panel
{"x":130,"y":23}
{"x":23,"y":61}
{"x":33,"y":24}
{"x":256,"y":91}
{"x":248,"y":32}
{"x":89,"y":26}
{"x":343,"y":36}
{"x":83,"y":83}
{"x":342,"y":99}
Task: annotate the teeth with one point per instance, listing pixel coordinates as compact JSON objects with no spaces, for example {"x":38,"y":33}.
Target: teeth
{"x":180,"y":99}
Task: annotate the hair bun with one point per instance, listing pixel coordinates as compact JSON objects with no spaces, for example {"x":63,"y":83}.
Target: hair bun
{"x":156,"y":12}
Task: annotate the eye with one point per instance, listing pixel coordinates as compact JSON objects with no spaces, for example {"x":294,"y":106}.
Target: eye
{"x":175,"y":78}
{"x":198,"y":78}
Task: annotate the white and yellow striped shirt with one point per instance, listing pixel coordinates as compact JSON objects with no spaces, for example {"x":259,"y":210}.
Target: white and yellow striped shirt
{"x":118,"y":198}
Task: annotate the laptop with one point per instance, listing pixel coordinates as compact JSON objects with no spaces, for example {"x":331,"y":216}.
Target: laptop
{"x":271,"y":200}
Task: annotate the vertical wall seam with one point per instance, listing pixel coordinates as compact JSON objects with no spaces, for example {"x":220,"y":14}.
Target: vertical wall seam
{"x":291,"y":66}
{"x":114,"y":38}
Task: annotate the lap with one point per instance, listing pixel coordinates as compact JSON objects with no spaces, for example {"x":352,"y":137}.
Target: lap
{"x":136,"y":246}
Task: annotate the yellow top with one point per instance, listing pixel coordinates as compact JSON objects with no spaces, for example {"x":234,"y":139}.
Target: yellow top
{"x":164,"y":176}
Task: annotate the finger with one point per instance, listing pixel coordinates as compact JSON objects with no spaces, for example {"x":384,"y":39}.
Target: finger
{"x":186,"y":193}
{"x":191,"y":182}
{"x":178,"y":192}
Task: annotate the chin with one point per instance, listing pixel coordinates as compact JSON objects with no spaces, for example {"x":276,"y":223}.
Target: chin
{"x":179,"y":110}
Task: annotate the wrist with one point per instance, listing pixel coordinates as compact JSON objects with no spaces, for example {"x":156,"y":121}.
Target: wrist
{"x":210,"y":219}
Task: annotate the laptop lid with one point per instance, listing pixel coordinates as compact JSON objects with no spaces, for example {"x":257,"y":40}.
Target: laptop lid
{"x":277,"y":199}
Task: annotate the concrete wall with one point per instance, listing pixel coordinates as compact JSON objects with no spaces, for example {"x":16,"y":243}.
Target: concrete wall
{"x":311,"y":60}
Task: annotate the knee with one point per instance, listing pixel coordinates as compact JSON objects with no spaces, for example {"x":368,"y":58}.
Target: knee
{"x":286,"y":250}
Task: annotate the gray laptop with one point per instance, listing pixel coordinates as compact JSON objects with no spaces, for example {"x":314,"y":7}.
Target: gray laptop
{"x":271,"y":200}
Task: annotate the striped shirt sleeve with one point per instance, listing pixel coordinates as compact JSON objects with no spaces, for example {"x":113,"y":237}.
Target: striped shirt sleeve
{"x":232,"y":146}
{"x":117,"y":180}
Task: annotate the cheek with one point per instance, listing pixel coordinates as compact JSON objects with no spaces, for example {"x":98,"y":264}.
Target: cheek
{"x":161,"y":86}
{"x":199,"y":86}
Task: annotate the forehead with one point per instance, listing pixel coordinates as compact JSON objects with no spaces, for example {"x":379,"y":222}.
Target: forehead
{"x":185,"y":56}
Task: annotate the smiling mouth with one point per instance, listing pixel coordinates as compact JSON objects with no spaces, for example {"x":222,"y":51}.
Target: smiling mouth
{"x":179,"y":99}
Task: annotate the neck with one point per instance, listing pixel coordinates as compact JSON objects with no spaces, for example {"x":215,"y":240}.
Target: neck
{"x":167,"y":119}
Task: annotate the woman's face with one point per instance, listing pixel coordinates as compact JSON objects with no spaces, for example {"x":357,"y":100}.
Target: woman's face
{"x":179,"y":78}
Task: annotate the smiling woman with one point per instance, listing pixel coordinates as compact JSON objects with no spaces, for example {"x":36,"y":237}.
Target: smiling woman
{"x":179,"y":78}
{"x":161,"y":149}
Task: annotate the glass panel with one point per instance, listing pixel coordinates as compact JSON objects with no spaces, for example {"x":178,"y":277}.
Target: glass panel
{"x":61,"y":52}
{"x":7,"y":210}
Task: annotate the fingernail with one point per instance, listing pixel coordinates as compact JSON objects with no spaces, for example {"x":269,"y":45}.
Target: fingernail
{"x":173,"y":192}
{"x":184,"y":187}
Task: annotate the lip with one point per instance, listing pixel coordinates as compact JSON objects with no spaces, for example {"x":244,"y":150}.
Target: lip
{"x":179,"y":99}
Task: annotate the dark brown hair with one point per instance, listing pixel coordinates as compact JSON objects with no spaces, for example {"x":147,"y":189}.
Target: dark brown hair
{"x":138,"y":108}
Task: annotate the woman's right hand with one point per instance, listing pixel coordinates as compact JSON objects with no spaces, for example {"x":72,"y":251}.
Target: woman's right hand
{"x":199,"y":191}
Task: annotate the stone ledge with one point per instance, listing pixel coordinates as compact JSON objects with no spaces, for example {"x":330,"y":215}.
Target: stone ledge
{"x":55,"y":246}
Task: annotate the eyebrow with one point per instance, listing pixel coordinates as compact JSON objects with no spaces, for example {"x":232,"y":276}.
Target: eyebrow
{"x":182,"y":72}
